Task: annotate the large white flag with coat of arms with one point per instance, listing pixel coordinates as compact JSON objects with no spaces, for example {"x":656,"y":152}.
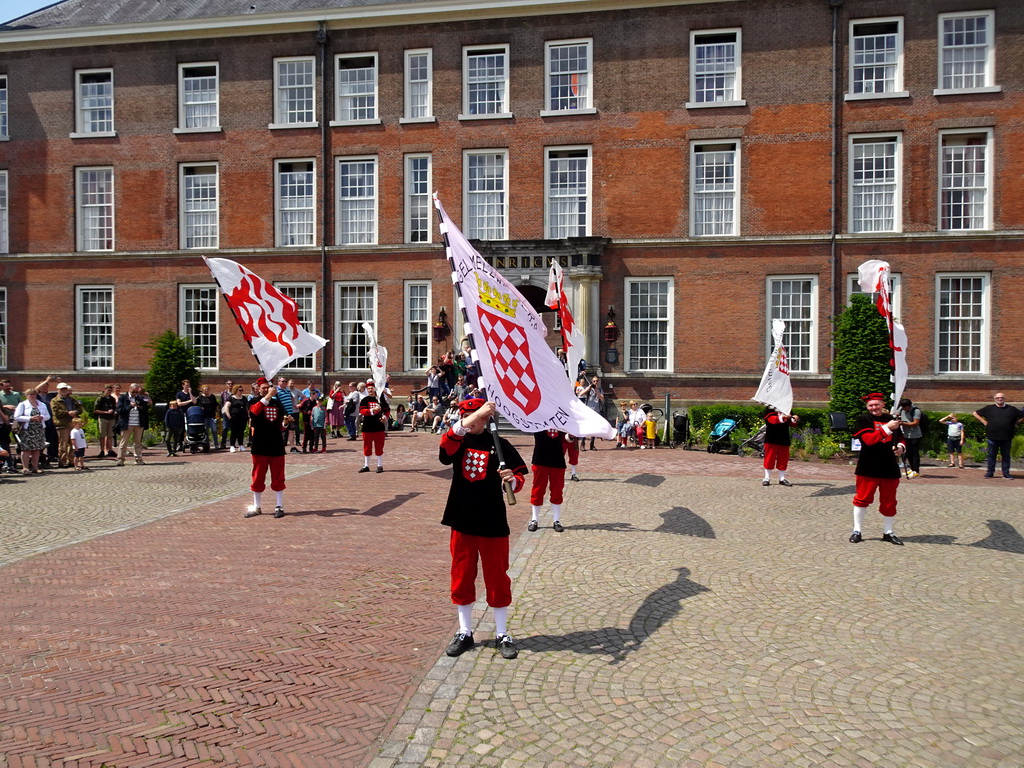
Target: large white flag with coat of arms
{"x":523,"y":377}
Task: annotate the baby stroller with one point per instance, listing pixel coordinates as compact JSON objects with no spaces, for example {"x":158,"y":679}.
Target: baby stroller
{"x":719,"y":440}
{"x":681,"y":431}
{"x":195,"y":430}
{"x":756,"y":442}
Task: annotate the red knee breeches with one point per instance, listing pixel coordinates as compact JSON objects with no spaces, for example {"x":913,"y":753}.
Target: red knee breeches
{"x":541,"y":477}
{"x":886,"y":487}
{"x":776,"y":457}
{"x":260,"y":464}
{"x":493,"y":554}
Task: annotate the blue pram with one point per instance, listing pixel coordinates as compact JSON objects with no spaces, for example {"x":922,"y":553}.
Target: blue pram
{"x":195,"y":430}
{"x":719,"y":441}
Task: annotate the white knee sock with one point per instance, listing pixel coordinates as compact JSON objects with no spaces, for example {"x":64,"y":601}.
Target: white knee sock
{"x":280,"y":498}
{"x":256,"y":498}
{"x":572,"y":470}
{"x":858,"y":518}
{"x":366,"y":461}
{"x":500,"y":621}
{"x":782,"y":475}
{"x":380,"y":461}
{"x":767,"y":474}
{"x":556,"y":511}
{"x":534,"y":512}
{"x":465,"y":618}
{"x":888,"y":523}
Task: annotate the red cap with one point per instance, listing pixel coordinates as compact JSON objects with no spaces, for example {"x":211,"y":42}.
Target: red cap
{"x":261,"y":380}
{"x":470,"y":404}
{"x":874,"y":396}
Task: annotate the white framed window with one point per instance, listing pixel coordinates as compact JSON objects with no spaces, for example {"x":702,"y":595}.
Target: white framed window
{"x":794,"y":299}
{"x":961,"y":327}
{"x":197,"y":319}
{"x":876,"y":58}
{"x":417,"y":325}
{"x":200,"y":210}
{"x":567,"y":192}
{"x":198,"y":97}
{"x":965,"y":180}
{"x":418,"y":205}
{"x":486,"y":194}
{"x":5,"y":237}
{"x":354,"y":304}
{"x":967,"y":52}
{"x":94,"y":103}
{"x":714,"y":189}
{"x":4,"y":130}
{"x":569,"y":74}
{"x":356,"y":86}
{"x":94,"y":335}
{"x":294,"y":92}
{"x":3,"y":327}
{"x":304,"y":296}
{"x":94,"y":203}
{"x":295,"y":202}
{"x":357,"y":201}
{"x":895,"y":291}
{"x":649,"y":312}
{"x":716,"y":71}
{"x":419,"y":86}
{"x":485,"y":82}
{"x":875,"y":173}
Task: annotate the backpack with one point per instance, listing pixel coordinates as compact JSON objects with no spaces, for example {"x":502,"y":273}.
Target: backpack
{"x":924,"y":422}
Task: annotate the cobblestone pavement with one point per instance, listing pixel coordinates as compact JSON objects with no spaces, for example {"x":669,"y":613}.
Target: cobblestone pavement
{"x":687,"y":616}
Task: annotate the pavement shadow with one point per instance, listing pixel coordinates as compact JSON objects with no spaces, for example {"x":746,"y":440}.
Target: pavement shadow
{"x":377,"y":510}
{"x":678,"y":520}
{"x":649,"y":480}
{"x":827,"y":489}
{"x":1002,"y":537}
{"x":658,"y":609}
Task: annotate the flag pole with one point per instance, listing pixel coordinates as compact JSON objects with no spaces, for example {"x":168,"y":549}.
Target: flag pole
{"x":220,"y":290}
{"x":510,"y":497}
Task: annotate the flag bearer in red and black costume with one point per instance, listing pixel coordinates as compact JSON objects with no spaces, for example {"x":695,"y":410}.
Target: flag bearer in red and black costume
{"x":878,"y":469}
{"x":267,"y":420}
{"x":548,"y":467}
{"x":476,"y":514}
{"x":776,"y":444}
{"x":375,"y":412}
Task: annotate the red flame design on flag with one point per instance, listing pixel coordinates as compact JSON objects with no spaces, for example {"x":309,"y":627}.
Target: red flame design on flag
{"x":264,"y":312}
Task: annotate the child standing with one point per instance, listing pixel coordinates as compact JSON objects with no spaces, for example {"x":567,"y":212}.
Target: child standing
{"x":955,"y":437}
{"x":174,"y":421}
{"x":78,"y":444}
{"x":318,"y":418}
{"x":650,"y":430}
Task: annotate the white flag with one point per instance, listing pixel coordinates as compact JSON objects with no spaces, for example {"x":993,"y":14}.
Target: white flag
{"x":875,"y":276}
{"x":776,"y":389}
{"x":269,"y":320}
{"x":378,"y":356}
{"x":523,"y":377}
{"x":572,"y":339}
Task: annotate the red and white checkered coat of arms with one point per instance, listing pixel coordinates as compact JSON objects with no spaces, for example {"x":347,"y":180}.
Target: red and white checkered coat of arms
{"x":510,"y":353}
{"x":474,"y":464}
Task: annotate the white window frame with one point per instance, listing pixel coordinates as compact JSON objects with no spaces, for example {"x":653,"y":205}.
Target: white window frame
{"x":81,"y":362}
{"x":183,"y":324}
{"x":471,"y":51}
{"x":989,"y":85}
{"x":341,"y":359}
{"x":897,"y":91}
{"x":812,"y":362}
{"x":559,"y":153}
{"x":5,"y":222}
{"x":183,"y":105}
{"x":895,"y":291}
{"x":5,"y":129}
{"x":471,"y":197}
{"x":989,"y":174}
{"x":412,"y":364}
{"x":737,"y":99}
{"x":185,"y":229}
{"x":281,"y":236}
{"x":585,"y":100}
{"x":341,"y":236}
{"x":707,"y":147}
{"x":865,"y":139}
{"x":307,"y":320}
{"x":373,"y":97}
{"x":81,"y":207}
{"x":428,"y":81}
{"x":281,"y":115}
{"x":417,"y":195}
{"x":984,"y":359}
{"x":668,"y":320}
{"x":3,"y":328}
{"x":82,"y":126}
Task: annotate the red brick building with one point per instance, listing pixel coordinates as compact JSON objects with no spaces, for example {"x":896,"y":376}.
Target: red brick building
{"x":699,"y":167}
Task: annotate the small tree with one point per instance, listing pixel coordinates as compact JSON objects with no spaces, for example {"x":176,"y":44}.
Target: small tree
{"x":174,"y":360}
{"x":862,"y":356}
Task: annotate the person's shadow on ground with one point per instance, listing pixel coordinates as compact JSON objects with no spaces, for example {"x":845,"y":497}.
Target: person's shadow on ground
{"x":1002,"y":537}
{"x":657,"y":610}
{"x":678,"y":520}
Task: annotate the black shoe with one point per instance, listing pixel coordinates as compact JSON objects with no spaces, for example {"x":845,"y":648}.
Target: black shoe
{"x":856,"y":538}
{"x":101,"y":455}
{"x":892,"y":538}
{"x":278,"y":512}
{"x":532,"y":526}
{"x":989,"y":475}
{"x":461,"y":643}
{"x":253,"y":511}
{"x":379,"y":470}
{"x":558,"y":527}
{"x":506,"y":647}
{"x":365,"y":469}
{"x":574,"y":478}
{"x":766,"y":483}
{"x":786,"y":483}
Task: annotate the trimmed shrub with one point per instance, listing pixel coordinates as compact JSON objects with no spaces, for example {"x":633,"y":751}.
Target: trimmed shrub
{"x":862,"y":362}
{"x":174,"y":360}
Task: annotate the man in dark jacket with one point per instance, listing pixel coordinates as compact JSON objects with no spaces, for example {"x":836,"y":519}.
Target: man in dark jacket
{"x":878,"y":469}
{"x":133,"y":420}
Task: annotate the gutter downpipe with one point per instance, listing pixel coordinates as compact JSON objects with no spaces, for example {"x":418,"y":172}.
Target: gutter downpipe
{"x":325,"y":298}
{"x":836,"y":298}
